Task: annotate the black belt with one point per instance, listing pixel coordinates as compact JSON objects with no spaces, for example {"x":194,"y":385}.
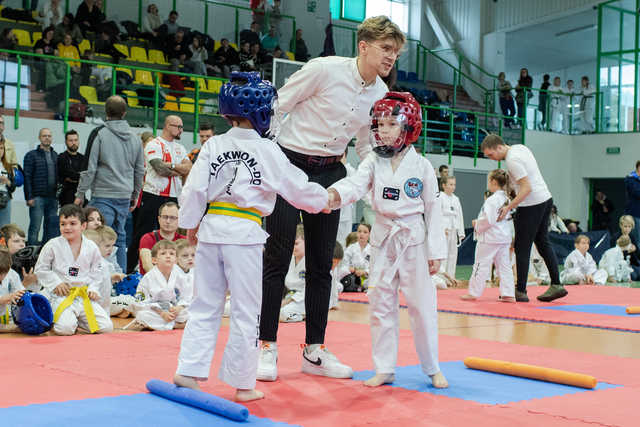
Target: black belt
{"x":304,"y":160}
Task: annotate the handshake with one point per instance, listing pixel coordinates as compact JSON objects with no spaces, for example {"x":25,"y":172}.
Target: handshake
{"x":333,"y":202}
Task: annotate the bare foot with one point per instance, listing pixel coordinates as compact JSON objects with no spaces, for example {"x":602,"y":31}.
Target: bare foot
{"x":439,"y":381}
{"x":379,"y":379}
{"x":187,"y":382}
{"x":468,"y":297}
{"x":123,"y":314}
{"x":180,"y":325}
{"x":248,"y":395}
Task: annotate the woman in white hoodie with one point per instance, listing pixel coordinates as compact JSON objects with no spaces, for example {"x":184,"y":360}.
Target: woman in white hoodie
{"x":494,"y":241}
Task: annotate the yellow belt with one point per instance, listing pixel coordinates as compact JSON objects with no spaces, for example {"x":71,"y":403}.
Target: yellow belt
{"x":230,"y":209}
{"x":79,"y":291}
{"x":5,"y":319}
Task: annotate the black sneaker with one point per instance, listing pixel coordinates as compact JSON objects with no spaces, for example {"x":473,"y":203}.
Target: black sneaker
{"x":522,"y":296}
{"x":554,"y":292}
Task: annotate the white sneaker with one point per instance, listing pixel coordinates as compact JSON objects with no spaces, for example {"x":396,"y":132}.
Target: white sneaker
{"x":322,"y":362}
{"x":267,"y":363}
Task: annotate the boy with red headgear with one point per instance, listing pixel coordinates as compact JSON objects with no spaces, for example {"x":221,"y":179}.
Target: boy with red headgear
{"x":407,"y":239}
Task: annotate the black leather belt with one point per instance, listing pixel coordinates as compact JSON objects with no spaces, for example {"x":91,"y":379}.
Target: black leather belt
{"x":304,"y":160}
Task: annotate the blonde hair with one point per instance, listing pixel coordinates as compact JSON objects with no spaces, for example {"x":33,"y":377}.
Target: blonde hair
{"x":5,"y":260}
{"x":92,"y":235}
{"x":580,"y":238}
{"x":161,"y":245}
{"x":300,"y":231}
{"x":351,"y":238}
{"x":627,"y":220}
{"x":623,"y":241}
{"x":182,"y":244}
{"x":446,"y":178}
{"x":102,"y":233}
{"x":502,"y":178}
{"x":380,"y":28}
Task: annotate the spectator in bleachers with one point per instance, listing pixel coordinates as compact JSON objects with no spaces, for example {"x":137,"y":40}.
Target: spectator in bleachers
{"x":177,"y":50}
{"x":7,"y":186}
{"x":257,"y":12}
{"x":569,"y":111}
{"x":9,"y":148}
{"x":523,"y":93}
{"x":89,"y":16}
{"x":587,"y":106}
{"x":29,"y":4}
{"x":68,"y":50}
{"x":248,"y":61}
{"x":70,"y":164}
{"x":270,"y":41}
{"x":51,"y":13}
{"x":279,"y":53}
{"x":556,"y":223}
{"x":601,"y":211}
{"x":8,"y":40}
{"x":507,"y":105}
{"x":225,"y":60}
{"x":543,"y":100}
{"x":167,"y":230}
{"x":632,"y":208}
{"x":151,"y":22}
{"x":55,"y":79}
{"x":206,"y":131}
{"x":301,"y":52}
{"x":44,"y":46}
{"x":104,"y":45}
{"x":252,"y":35}
{"x":68,"y":26}
{"x":170,"y":25}
{"x":40,"y":184}
{"x":275,"y":16}
{"x":198,"y":57}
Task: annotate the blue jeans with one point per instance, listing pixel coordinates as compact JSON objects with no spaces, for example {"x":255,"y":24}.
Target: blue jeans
{"x":44,"y":210}
{"x":5,"y":214}
{"x":115,"y":212}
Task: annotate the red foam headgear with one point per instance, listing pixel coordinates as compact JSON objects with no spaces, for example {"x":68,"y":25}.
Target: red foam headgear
{"x":404,"y":103}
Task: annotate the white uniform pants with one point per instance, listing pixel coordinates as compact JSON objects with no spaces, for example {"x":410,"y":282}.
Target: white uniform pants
{"x":218,"y":268}
{"x":452,"y":253}
{"x":568,"y":120}
{"x":488,"y":254}
{"x":587,"y":118}
{"x":344,"y":228}
{"x":554,"y":118}
{"x":573,"y":276}
{"x":74,"y":316}
{"x":413,"y":279}
{"x":153,"y":320}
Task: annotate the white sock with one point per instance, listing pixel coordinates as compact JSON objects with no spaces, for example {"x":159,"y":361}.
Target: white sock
{"x":310,"y":348}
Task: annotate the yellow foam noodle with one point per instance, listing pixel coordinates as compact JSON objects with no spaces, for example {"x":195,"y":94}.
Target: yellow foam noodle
{"x":633,"y":310}
{"x":530,"y":371}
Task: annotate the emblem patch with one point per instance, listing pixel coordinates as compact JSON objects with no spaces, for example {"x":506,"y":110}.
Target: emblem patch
{"x":413,"y":187}
{"x":389,"y":193}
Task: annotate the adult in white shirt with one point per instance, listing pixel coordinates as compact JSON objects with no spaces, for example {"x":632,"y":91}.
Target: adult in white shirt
{"x":51,"y":13}
{"x":533,"y":203}
{"x":167,"y":164}
{"x":327,"y":104}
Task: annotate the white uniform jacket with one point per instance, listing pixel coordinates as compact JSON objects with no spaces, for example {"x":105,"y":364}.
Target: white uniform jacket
{"x":452,"y":213}
{"x":56,"y":265}
{"x":295,"y":278}
{"x":10,"y":284}
{"x":577,"y":262}
{"x":613,"y":261}
{"x":154,"y":291}
{"x":488,"y":229}
{"x":241,"y":168}
{"x":355,"y":257}
{"x":405,"y":201}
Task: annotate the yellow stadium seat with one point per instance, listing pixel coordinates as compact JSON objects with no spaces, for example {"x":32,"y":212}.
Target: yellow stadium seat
{"x":84,"y":45}
{"x":171,"y":104}
{"x":23,"y":36}
{"x":35,"y":36}
{"x":102,"y":57}
{"x":233,"y":45}
{"x":122,"y":49}
{"x":201,"y":82}
{"x":216,"y":45}
{"x":215,"y":85}
{"x":187,"y":105}
{"x":290,"y":55}
{"x":132,"y":98}
{"x":143,"y":78}
{"x":125,"y":70}
{"x":138,"y":54}
{"x":157,"y":57}
{"x":90,"y":94}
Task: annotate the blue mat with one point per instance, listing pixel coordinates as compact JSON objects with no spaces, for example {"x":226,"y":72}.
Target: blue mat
{"x":132,"y":410}
{"x":479,"y":386}
{"x":611,"y":310}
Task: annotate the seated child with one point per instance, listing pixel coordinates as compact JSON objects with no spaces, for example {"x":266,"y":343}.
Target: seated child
{"x":355,"y":265}
{"x":186,"y":256}
{"x":164,"y":293}
{"x":538,"y":272}
{"x":579,"y":266}
{"x":336,"y":286}
{"x":14,"y":239}
{"x":293,"y":304}
{"x":70,"y":270}
{"x":615,"y":263}
{"x":351,"y":239}
{"x":95,"y":220}
{"x":11,"y":290}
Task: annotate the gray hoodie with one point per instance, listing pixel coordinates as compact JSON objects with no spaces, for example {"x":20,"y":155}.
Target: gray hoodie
{"x":115,"y":166}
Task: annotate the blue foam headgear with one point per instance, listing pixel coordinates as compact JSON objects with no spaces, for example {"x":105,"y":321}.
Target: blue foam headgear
{"x":247,"y":95}
{"x":33,"y":314}
{"x":128,"y":285}
{"x":18,"y":177}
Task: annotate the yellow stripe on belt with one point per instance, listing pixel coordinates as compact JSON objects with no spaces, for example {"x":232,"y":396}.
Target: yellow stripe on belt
{"x":79,"y":291}
{"x":231,"y":209}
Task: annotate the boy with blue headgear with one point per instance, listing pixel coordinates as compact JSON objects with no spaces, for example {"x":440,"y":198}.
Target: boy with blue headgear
{"x":235,"y":183}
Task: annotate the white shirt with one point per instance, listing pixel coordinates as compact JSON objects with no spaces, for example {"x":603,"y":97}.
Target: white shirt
{"x":4,"y":173}
{"x":583,"y":263}
{"x":488,"y":228}
{"x":56,"y":265}
{"x":357,"y":257}
{"x":295,"y":278}
{"x":555,"y":96}
{"x":328,"y":104}
{"x":9,"y":285}
{"x":405,"y":199}
{"x":452,"y":213}
{"x":242,"y":168}
{"x":346,"y":212}
{"x":611,"y":259}
{"x":520,"y":164}
{"x":154,"y":290}
{"x":167,"y":151}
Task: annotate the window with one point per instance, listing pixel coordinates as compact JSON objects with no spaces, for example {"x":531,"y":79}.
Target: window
{"x":397,"y":10}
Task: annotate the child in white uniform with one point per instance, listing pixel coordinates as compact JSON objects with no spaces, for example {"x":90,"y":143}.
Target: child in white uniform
{"x":70,"y":270}
{"x":11,"y":290}
{"x":336,"y":286}
{"x":587,"y":106}
{"x":164,"y":293}
{"x":494,"y":241}
{"x":407,"y":240}
{"x":579,"y":266}
{"x":614,"y":262}
{"x":357,"y":257}
{"x":15,"y":240}
{"x":293,"y":305}
{"x":236,"y":179}
{"x":346,"y":213}
{"x":538,"y":271}
{"x":555,"y":105}
{"x":452,"y":221}
{"x":570,"y":112}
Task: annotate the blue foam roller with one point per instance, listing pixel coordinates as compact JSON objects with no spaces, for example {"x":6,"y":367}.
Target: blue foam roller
{"x":199,"y":399}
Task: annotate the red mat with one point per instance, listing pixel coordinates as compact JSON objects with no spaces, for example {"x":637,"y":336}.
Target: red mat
{"x":41,"y":370}
{"x":488,"y":305}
